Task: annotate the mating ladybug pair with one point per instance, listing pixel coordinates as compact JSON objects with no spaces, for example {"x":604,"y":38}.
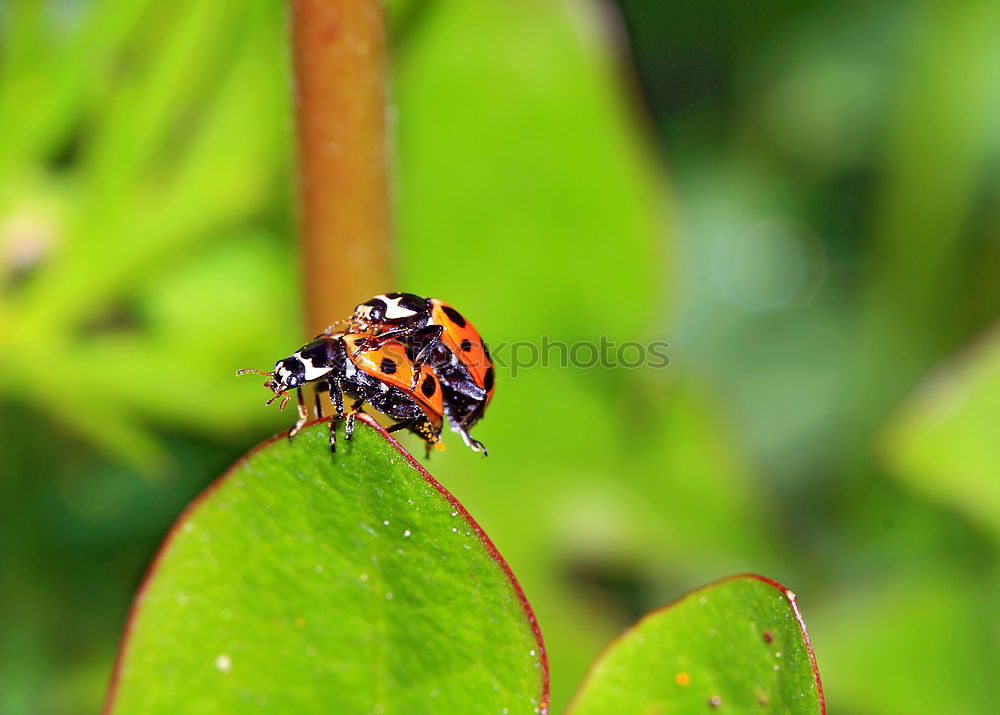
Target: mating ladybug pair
{"x":416,"y":360}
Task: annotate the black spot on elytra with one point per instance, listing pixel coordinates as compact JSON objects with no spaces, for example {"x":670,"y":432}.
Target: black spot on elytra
{"x":488,"y":379}
{"x":429,"y":386}
{"x":466,"y":345}
{"x":454,"y":316}
{"x":387,"y":366}
{"x":487,"y":351}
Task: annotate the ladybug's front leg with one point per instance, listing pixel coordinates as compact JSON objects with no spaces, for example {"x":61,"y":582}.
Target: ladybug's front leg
{"x":319,"y":404}
{"x":374,"y":342}
{"x":303,"y":415}
{"x":428,"y":337}
{"x":353,"y":410}
{"x":337,"y":398}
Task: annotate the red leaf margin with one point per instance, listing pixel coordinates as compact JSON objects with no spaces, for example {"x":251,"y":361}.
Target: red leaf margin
{"x":370,"y":422}
{"x":786,"y":592}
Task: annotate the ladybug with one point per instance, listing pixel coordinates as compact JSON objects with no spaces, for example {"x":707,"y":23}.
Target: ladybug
{"x":380,"y":376}
{"x":435,"y":334}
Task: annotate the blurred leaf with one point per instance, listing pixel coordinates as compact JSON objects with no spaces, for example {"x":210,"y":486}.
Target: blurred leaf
{"x":163,"y":166}
{"x":698,"y":490}
{"x":310,"y":582}
{"x":520,"y":157}
{"x":738,"y":645}
{"x":936,"y":162}
{"x":178,"y":366}
{"x":943,"y":441}
{"x":157,"y":93}
{"x":922,"y":644}
{"x":816,"y":91}
{"x":212,"y":170}
{"x":53,"y":57}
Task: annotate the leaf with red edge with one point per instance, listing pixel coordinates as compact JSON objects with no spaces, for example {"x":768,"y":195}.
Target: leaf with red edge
{"x":738,"y":645}
{"x":305,"y":582}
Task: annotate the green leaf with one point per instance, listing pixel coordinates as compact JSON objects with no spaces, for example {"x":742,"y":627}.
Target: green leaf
{"x":307,"y":582}
{"x":739,"y":645}
{"x":943,"y":442}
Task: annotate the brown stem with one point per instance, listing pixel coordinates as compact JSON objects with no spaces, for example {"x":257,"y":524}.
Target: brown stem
{"x":339,"y":54}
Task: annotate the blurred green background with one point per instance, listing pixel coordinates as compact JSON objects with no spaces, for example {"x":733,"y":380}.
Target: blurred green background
{"x":801,"y":197}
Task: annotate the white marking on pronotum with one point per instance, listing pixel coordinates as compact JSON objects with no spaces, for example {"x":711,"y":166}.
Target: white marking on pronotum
{"x":312,"y":372}
{"x":395,"y":311}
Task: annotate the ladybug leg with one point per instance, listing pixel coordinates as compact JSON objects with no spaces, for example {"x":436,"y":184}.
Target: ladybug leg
{"x":353,"y":410}
{"x":369,"y":343}
{"x":401,"y":425}
{"x":429,"y":338}
{"x":396,"y":404}
{"x":474,"y":444}
{"x":337,"y":398}
{"x":319,"y":406}
{"x":462,"y":427}
{"x":303,"y":415}
{"x":373,"y":342}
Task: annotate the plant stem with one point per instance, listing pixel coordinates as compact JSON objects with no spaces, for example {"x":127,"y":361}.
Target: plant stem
{"x":339,"y":55}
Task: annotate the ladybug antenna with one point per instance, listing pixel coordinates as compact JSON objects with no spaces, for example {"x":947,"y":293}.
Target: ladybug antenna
{"x":331,"y":326}
{"x":251,"y":371}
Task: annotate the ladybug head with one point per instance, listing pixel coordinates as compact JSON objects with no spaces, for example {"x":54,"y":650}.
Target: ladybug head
{"x":288,"y":374}
{"x":371,"y":312}
{"x":389,"y":308}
